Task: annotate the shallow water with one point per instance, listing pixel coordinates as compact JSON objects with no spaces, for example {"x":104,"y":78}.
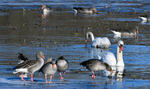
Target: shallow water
{"x":62,"y":32}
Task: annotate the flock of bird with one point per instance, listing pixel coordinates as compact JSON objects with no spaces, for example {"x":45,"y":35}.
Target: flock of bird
{"x":108,"y":62}
{"x":46,"y":10}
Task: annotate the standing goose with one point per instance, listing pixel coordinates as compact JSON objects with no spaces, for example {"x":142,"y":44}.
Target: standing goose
{"x":62,"y":66}
{"x":116,"y":63}
{"x":99,"y":42}
{"x":49,"y":68}
{"x":94,"y":65}
{"x":31,"y":66}
{"x":85,"y":10}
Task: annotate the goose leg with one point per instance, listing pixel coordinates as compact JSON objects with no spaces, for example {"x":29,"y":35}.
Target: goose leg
{"x":45,"y":78}
{"x":50,"y":78}
{"x":22,"y":77}
{"x":61,"y":77}
{"x":93,"y":75}
{"x":32,"y":77}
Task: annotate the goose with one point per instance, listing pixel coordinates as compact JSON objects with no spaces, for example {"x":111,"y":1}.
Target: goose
{"x":31,"y":66}
{"x":118,"y":34}
{"x":99,"y":42}
{"x":45,"y":10}
{"x":85,"y":10}
{"x":62,"y":65}
{"x":49,"y":68}
{"x":116,"y":63}
{"x":144,"y":19}
{"x":94,"y":65}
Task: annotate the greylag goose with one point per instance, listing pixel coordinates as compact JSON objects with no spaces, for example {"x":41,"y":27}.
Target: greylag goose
{"x":31,"y":66}
{"x":62,"y":66}
{"x":45,"y":11}
{"x":85,"y":10}
{"x":144,"y":19}
{"x":132,"y":34}
{"x":99,"y":42}
{"x":96,"y":65}
{"x":49,"y":68}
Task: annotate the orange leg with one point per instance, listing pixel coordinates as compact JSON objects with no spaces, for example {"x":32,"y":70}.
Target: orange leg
{"x":61,"y":77}
{"x":32,"y":77}
{"x":93,"y":75}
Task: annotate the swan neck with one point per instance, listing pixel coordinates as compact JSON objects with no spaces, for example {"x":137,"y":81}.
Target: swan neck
{"x":119,"y":57}
{"x":89,"y":34}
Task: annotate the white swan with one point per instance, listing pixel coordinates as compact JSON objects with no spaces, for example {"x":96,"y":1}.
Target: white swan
{"x":116,"y":63}
{"x":99,"y":42}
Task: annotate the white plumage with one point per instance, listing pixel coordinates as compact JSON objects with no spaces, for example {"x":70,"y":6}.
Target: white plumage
{"x":116,"y":63}
{"x":99,"y":42}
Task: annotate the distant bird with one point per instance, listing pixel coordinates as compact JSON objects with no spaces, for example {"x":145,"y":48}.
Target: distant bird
{"x":85,"y":10}
{"x":94,"y":65}
{"x":31,"y":66}
{"x":99,"y":42}
{"x":126,"y":34}
{"x":144,"y":18}
{"x":62,"y":65}
{"x":45,"y":10}
{"x":49,"y":68}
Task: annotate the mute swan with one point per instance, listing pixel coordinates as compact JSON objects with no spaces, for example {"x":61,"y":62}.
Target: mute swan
{"x":116,"y":63}
{"x":99,"y":42}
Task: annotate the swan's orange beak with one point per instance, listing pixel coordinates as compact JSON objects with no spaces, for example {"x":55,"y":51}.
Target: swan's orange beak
{"x":53,"y":66}
{"x":121,"y":47}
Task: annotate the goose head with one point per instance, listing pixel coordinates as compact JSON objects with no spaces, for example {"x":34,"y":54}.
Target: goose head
{"x":120,"y":45}
{"x":40,"y":55}
{"x":94,"y":10}
{"x":53,"y":63}
{"x":43,"y":6}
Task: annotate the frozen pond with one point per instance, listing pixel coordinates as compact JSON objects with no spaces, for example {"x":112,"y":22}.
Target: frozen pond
{"x":62,"y":33}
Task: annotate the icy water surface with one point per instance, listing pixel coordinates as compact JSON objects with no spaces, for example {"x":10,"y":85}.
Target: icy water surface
{"x":24,"y":29}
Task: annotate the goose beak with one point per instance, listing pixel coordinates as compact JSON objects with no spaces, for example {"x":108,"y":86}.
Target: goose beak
{"x":86,"y":43}
{"x":111,"y":71}
{"x":43,"y":57}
